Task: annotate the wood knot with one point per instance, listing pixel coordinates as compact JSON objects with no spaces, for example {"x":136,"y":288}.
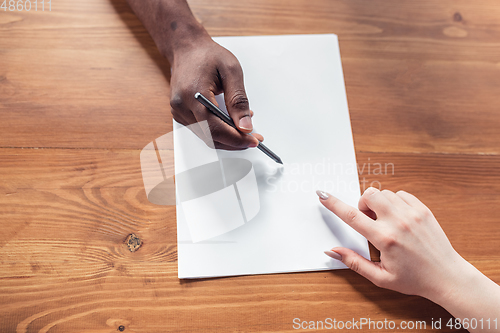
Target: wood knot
{"x":121,"y":328}
{"x":133,"y":242}
{"x":457,"y":17}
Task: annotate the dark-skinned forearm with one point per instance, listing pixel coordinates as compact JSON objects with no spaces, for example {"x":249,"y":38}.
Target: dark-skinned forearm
{"x":170,"y":23}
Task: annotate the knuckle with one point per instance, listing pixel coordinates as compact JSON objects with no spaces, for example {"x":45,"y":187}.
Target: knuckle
{"x":417,"y":217}
{"x":371,"y":195}
{"x":351,"y":216}
{"x":354,"y":265}
{"x":426,"y":214}
{"x":176,"y":102}
{"x":239,"y":100}
{"x":405,"y":226}
{"x":233,"y":65}
{"x":389,"y":241}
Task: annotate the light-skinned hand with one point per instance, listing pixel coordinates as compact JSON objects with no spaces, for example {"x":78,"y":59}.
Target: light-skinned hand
{"x":416,"y":257}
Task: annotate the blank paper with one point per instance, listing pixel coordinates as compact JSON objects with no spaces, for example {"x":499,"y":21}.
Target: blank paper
{"x":268,"y":219}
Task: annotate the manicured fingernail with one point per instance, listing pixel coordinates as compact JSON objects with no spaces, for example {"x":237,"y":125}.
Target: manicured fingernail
{"x":333,"y":255}
{"x":323,"y":195}
{"x":246,"y":123}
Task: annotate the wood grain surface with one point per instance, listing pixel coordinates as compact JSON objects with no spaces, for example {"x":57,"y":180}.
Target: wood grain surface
{"x":83,"y":89}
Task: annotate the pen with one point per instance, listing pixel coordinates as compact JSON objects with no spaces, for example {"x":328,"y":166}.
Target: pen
{"x":219,"y":113}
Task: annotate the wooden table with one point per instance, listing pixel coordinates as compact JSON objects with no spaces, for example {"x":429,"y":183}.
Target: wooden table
{"x":83,"y":89}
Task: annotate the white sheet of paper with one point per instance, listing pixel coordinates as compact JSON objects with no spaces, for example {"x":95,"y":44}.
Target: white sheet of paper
{"x":295,"y":86}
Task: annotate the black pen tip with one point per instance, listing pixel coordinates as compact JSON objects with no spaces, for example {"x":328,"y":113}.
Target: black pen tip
{"x":279,"y":161}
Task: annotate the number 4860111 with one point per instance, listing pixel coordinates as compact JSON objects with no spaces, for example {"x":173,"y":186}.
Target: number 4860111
{"x":27,"y":5}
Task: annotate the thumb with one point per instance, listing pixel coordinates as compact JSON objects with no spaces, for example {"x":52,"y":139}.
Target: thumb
{"x":236,"y":99}
{"x":366,"y":268}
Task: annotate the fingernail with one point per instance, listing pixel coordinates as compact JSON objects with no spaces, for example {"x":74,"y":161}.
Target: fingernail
{"x":333,"y":255}
{"x":246,"y":123}
{"x":323,"y":195}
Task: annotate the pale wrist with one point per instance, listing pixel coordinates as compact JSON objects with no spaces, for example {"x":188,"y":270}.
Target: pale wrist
{"x":460,"y":276}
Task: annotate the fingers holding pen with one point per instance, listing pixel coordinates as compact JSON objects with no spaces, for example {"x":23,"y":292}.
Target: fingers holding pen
{"x":258,"y":136}
{"x":235,"y":96}
{"x":222,"y":126}
{"x":211,"y":69}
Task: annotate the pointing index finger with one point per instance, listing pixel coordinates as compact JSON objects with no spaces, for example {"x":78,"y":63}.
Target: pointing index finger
{"x":350,"y":215}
